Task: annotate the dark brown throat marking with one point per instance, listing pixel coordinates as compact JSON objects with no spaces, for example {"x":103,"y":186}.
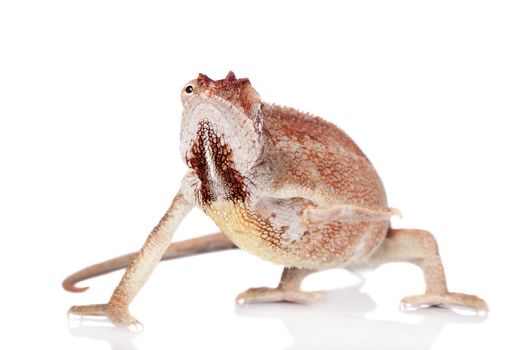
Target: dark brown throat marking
{"x":221,"y":158}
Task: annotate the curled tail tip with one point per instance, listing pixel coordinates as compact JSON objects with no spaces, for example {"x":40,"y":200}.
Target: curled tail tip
{"x":71,"y":287}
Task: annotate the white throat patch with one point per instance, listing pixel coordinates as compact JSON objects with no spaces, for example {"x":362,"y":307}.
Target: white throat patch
{"x":229,"y":123}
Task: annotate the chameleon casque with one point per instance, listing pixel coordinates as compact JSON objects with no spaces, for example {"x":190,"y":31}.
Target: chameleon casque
{"x":286,"y":186}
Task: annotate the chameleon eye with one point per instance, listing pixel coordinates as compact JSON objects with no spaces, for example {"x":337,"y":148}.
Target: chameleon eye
{"x":189,"y":89}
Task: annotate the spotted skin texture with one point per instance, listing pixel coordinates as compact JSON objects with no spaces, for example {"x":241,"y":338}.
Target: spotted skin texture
{"x":338,"y":169}
{"x":336,"y":165}
{"x":284,"y":185}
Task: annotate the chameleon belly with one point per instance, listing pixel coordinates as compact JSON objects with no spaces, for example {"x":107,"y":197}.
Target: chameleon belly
{"x":323,"y":246}
{"x":247,"y":230}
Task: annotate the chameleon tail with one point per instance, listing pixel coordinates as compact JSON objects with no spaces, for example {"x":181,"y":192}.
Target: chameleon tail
{"x":200,"y":245}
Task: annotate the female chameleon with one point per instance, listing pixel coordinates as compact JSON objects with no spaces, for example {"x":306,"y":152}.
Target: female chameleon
{"x":288,"y":187}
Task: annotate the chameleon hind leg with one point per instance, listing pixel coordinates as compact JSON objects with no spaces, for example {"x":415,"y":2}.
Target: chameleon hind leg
{"x":289,"y":289}
{"x":420,"y":247}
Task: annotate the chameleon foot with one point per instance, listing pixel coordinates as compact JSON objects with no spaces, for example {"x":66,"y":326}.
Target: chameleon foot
{"x":119,"y":316}
{"x":444,"y":299}
{"x":261,"y":295}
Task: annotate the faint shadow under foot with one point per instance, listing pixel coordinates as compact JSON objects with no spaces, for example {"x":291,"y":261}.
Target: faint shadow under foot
{"x":340,"y":322}
{"x":118,"y":338}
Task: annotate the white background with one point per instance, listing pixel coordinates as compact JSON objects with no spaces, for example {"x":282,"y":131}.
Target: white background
{"x":433,"y":92}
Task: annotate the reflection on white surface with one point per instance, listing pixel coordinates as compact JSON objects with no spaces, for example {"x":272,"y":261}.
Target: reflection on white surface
{"x":342,"y":320}
{"x":118,"y":338}
{"x":315,"y":327}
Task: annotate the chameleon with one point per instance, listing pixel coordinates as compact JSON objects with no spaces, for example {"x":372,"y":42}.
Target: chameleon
{"x":284,"y":185}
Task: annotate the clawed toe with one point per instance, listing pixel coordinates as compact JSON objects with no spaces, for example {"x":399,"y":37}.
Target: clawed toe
{"x":88,"y":310}
{"x":261,"y":295}
{"x":119,"y":316}
{"x":444,"y":300}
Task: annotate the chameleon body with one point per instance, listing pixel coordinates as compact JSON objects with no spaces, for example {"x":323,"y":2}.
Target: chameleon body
{"x":286,"y":186}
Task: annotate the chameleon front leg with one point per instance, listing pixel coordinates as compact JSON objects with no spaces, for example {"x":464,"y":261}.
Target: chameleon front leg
{"x":140,"y":268}
{"x":289,"y":289}
{"x":322,"y":208}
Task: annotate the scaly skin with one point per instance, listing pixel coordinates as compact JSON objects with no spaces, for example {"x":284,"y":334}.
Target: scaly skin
{"x":286,"y":186}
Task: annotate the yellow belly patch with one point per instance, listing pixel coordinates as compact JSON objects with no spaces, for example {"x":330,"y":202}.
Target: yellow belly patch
{"x":247,"y":230}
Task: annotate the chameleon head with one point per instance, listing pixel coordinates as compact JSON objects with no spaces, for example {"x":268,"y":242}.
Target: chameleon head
{"x":221,"y":128}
